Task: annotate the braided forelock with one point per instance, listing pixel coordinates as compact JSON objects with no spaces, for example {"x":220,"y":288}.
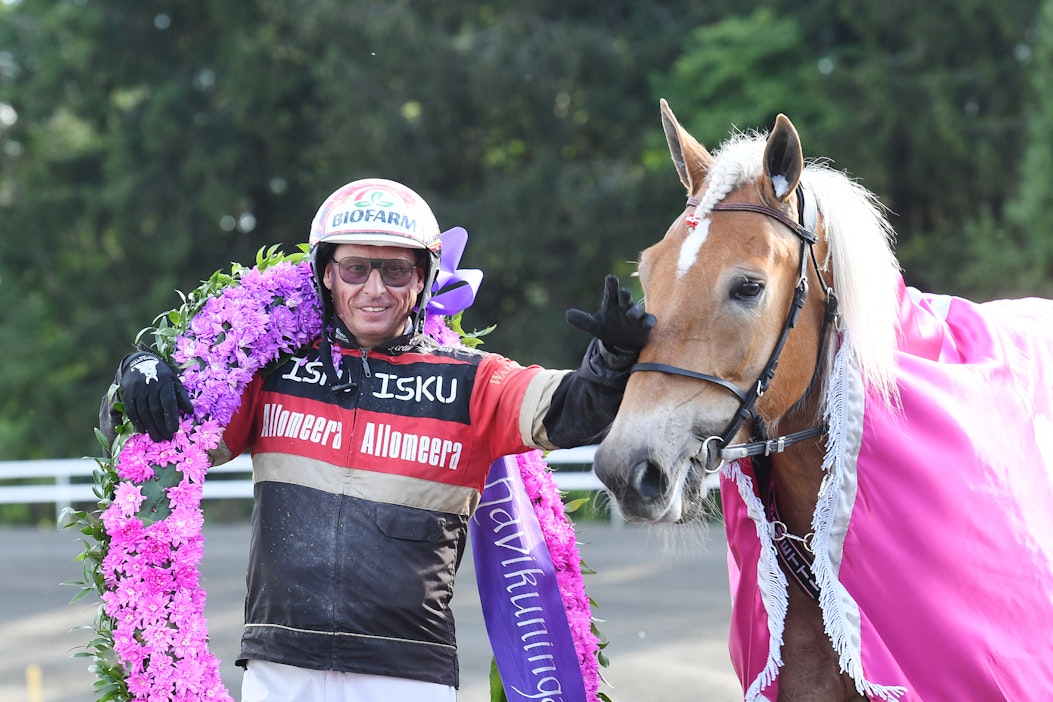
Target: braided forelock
{"x":737,"y":163}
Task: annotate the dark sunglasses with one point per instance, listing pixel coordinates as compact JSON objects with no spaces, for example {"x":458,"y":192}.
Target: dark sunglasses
{"x":395,"y":272}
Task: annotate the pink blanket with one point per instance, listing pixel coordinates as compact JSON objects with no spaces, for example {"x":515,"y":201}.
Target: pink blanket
{"x":934,"y":528}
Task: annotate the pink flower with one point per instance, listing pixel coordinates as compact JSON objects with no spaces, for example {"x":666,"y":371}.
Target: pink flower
{"x":563,"y":548}
{"x":132,"y":464}
{"x":128,"y":498}
{"x":437,"y":329}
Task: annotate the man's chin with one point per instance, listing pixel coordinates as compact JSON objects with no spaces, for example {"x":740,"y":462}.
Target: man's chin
{"x":370,"y":332}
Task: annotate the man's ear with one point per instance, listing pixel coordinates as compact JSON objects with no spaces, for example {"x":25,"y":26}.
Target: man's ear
{"x":329,"y":277}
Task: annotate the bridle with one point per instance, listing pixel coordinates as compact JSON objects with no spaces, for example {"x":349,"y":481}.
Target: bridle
{"x":804,"y":228}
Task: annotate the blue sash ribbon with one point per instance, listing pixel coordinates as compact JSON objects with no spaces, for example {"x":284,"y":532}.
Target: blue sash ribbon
{"x":522,"y":607}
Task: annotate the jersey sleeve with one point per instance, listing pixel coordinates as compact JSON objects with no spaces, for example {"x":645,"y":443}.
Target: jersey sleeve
{"x":240,"y":431}
{"x":549,"y":409}
{"x":497,"y":405}
{"x":564,"y":409}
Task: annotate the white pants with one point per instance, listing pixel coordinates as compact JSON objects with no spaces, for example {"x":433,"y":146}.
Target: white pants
{"x":274,"y":682}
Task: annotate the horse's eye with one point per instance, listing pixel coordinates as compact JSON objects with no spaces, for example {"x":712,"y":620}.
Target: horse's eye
{"x":747,"y":289}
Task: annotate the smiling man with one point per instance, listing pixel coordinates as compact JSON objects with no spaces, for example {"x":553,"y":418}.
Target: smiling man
{"x":377,"y":307}
{"x":370,"y":449}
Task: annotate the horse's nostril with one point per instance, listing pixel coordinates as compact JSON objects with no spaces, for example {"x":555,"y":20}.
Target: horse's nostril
{"x":647,"y":480}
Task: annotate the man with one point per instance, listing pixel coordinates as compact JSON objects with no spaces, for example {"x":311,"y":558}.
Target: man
{"x":357,"y":530}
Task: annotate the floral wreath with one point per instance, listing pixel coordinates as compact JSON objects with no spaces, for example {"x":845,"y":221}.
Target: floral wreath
{"x":145,"y":542}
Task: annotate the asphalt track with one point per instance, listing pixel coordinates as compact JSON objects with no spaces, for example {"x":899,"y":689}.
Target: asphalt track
{"x":663,"y":596}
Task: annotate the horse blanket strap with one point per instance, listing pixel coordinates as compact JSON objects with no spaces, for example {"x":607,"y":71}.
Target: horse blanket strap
{"x":793,"y":551}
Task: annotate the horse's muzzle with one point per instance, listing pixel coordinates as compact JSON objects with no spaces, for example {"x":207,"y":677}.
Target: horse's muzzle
{"x":645,"y":490}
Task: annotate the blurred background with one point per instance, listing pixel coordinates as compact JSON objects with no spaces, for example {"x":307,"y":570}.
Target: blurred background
{"x":144,"y":145}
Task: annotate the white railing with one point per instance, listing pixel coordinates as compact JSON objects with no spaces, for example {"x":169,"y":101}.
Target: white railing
{"x":69,"y":480}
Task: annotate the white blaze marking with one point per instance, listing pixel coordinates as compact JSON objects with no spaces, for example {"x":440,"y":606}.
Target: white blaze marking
{"x":689,"y":249}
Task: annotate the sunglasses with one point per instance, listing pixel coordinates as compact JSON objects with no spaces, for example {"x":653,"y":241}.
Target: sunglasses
{"x":395,"y":272}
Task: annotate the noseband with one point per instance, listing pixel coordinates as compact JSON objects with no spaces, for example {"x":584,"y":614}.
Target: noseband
{"x":804,"y":228}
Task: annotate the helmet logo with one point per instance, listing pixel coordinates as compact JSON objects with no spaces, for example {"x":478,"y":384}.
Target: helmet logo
{"x":375,"y":206}
{"x":376,"y":199}
{"x":368,"y":212}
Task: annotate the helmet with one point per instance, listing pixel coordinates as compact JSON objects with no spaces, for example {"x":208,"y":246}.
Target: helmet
{"x":376,"y":212}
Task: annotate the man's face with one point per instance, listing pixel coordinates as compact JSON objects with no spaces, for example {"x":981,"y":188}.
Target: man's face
{"x":373,"y":311}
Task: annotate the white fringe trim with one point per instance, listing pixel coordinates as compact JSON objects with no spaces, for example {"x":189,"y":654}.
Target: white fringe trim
{"x":840,"y":458}
{"x":770,"y":579}
{"x":834,"y":600}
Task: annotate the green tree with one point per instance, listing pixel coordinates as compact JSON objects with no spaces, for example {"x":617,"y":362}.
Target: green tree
{"x":922,"y":103}
{"x":936,"y":91}
{"x":1013,"y":255}
{"x":739,"y":73}
{"x":156,"y":142}
{"x":144,"y":145}
{"x":136,"y":143}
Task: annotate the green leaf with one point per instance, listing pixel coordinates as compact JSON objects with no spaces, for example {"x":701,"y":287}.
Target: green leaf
{"x":157,"y":506}
{"x":574,"y":505}
{"x":81,"y":595}
{"x":470,"y":339}
{"x":497,"y":688}
{"x":103,"y":440}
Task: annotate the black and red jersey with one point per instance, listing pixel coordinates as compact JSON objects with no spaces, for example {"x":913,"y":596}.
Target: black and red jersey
{"x":363,"y":494}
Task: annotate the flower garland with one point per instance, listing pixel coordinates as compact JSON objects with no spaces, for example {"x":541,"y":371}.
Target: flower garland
{"x":152,"y":637}
{"x":563,"y":548}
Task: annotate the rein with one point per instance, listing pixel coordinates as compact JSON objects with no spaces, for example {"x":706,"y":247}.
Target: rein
{"x":804,"y":228}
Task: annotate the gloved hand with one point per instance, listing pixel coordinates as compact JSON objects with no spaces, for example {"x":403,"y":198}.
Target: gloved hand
{"x":622,"y":325}
{"x":153,"y":395}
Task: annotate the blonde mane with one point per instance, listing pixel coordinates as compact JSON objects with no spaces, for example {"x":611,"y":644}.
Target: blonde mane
{"x":860,"y":253}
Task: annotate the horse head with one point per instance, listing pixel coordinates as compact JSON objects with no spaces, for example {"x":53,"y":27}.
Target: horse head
{"x":723,"y":283}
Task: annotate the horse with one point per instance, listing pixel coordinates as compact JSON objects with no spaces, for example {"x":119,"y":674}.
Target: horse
{"x":884,"y":455}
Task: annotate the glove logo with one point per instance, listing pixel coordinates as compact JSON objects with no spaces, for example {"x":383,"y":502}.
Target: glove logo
{"x":147,"y":367}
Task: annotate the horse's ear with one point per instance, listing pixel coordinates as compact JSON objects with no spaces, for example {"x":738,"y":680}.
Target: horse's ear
{"x":783,"y":158}
{"x":691,"y":159}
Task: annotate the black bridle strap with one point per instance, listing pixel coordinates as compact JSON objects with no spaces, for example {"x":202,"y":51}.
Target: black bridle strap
{"x":746,"y":409}
{"x":674,"y":370}
{"x":748,"y":399}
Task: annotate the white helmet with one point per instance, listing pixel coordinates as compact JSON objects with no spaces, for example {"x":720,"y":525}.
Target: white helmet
{"x":375,"y":212}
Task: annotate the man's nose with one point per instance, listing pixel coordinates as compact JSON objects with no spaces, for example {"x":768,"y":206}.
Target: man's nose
{"x":374,"y":283}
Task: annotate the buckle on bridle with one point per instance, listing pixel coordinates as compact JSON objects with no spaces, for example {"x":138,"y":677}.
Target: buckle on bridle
{"x":775,"y":446}
{"x":705,"y":453}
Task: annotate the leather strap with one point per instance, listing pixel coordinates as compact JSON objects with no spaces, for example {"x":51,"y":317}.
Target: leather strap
{"x":674,"y":370}
{"x":796,"y":560}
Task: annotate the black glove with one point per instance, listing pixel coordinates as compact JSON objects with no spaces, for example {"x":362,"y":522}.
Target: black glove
{"x":153,"y":395}
{"x":622,"y":325}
